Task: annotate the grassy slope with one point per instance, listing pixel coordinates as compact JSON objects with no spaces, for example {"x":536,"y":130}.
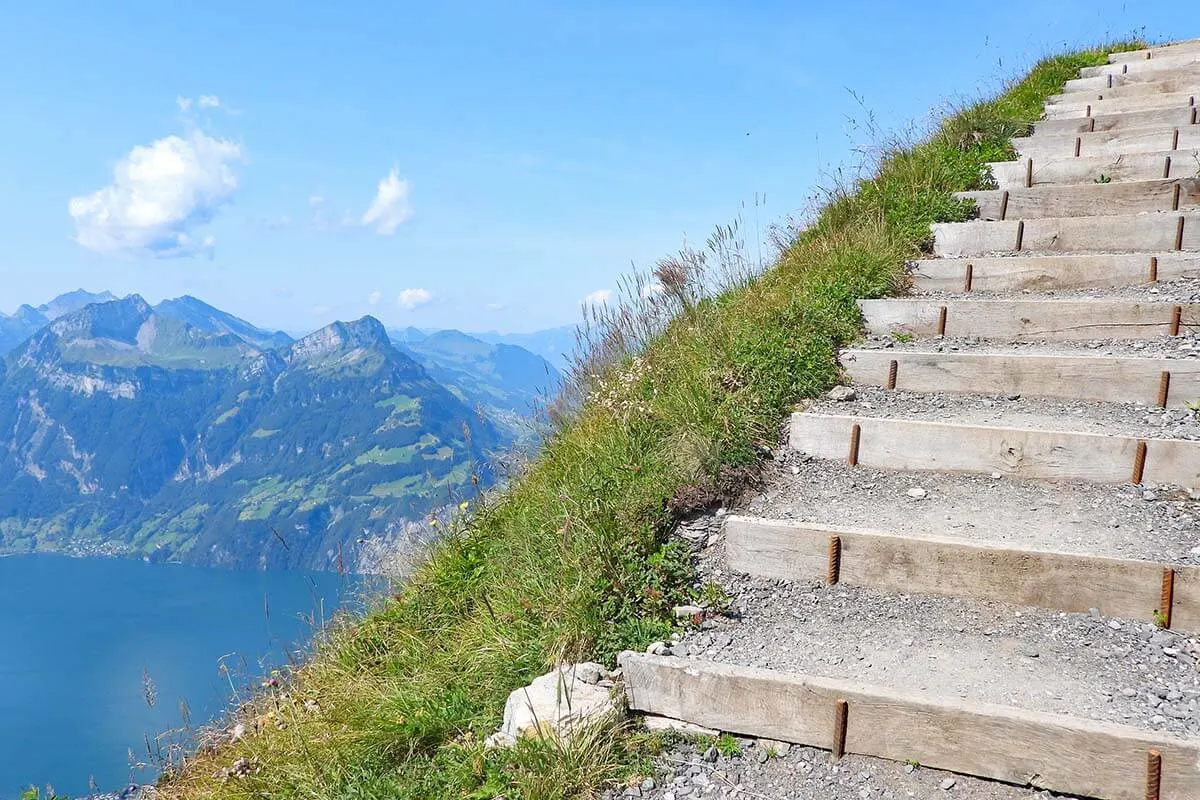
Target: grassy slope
{"x":572,"y":561}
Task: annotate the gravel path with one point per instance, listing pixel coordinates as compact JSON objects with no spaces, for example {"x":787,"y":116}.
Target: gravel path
{"x":1147,"y":522}
{"x":1015,"y":411}
{"x":1186,"y":345}
{"x":776,"y":771}
{"x":1182,"y":291}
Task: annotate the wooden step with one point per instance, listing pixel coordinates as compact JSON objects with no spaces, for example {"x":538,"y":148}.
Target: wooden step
{"x":1166,"y":63}
{"x":1067,"y":170}
{"x":1174,"y":48}
{"x":1083,"y":200}
{"x":1029,"y":320}
{"x":900,"y":444}
{"x":1169,"y":118}
{"x":1113,"y":81}
{"x":1109,"y":143}
{"x":1105,"y":379}
{"x":1116,"y":234}
{"x":1120,"y":105}
{"x":1168,"y":83}
{"x":1044,"y":273}
{"x":1047,"y":751}
{"x":939,"y":565}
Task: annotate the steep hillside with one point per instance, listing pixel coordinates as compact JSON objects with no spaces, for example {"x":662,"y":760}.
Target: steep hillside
{"x":127,"y":429}
{"x":575,"y":560}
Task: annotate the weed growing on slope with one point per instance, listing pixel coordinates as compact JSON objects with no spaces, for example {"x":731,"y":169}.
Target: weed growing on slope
{"x":675,"y":399}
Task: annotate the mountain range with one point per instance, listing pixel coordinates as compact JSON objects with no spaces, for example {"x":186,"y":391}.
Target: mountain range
{"x":181,"y":432}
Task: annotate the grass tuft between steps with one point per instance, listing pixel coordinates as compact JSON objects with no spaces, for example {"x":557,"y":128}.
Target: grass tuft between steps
{"x":682,"y":396}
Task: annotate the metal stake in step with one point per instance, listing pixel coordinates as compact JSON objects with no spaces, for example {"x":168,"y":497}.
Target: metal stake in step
{"x":1110,"y":80}
{"x":1153,"y":269}
{"x":1139,"y":463}
{"x":1092,"y":125}
{"x":893,"y":368}
{"x":834,"y":572}
{"x":1179,"y":233}
{"x":1176,"y":320}
{"x":855,"y":436}
{"x":841,"y":712}
{"x":1153,"y":774}
{"x":1079,"y":145}
{"x":942,"y":321}
{"x":1004,"y":204}
{"x":1175,"y":198}
{"x":1020,"y":234}
{"x":1174,"y":140}
{"x":1029,"y":173}
{"x":1164,"y":388}
{"x":1167,"y":600}
{"x":969,"y":277}
{"x":1167,"y":168}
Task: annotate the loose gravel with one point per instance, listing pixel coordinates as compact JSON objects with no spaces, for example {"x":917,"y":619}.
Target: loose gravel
{"x":1015,"y":411}
{"x":1186,"y":345}
{"x":1182,"y":291}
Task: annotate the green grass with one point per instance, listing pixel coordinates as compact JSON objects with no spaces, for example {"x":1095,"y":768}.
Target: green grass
{"x":573,"y":560}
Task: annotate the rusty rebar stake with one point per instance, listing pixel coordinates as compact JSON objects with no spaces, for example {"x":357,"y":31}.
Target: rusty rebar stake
{"x":1092,"y":125}
{"x":969,"y":278}
{"x":1029,"y":173}
{"x":1004,"y":205}
{"x":1167,"y":601}
{"x":1179,"y":233}
{"x":855,"y":436}
{"x":1153,"y":774}
{"x":1176,"y":320}
{"x":834,"y":572}
{"x":1164,"y":388}
{"x":1175,"y":198}
{"x":1167,"y":169}
{"x":1139,"y":462}
{"x":893,"y":368}
{"x":1153,"y":269}
{"x":1175,"y":140}
{"x":1110,"y":80}
{"x":841,"y":713}
{"x":1079,"y":145}
{"x":1020,"y":234}
{"x":942,"y":321}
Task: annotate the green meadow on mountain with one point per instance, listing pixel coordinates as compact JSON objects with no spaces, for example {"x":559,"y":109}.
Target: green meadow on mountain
{"x":180,"y":432}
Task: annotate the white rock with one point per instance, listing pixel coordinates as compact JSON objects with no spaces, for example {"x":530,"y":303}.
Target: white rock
{"x":687,"y":612}
{"x":917,"y":493}
{"x":555,"y":705}
{"x":842,"y":394}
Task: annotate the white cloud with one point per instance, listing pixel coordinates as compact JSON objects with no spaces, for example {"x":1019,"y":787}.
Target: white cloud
{"x":374,"y":298}
{"x":495,"y":306}
{"x":159,"y":194}
{"x":208,"y":101}
{"x":414,"y":298}
{"x":391,"y":207}
{"x":600,"y":297}
{"x":315,"y":200}
{"x":184,"y":103}
{"x":651,"y":290}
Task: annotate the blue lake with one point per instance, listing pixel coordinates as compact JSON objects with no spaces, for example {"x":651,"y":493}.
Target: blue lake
{"x":82,"y":640}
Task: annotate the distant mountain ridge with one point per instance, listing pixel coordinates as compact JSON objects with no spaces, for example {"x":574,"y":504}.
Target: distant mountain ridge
{"x":181,"y":432}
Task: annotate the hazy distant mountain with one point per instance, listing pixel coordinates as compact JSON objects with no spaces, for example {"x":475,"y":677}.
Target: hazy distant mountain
{"x":507,"y":382}
{"x":173,"y":432}
{"x":73,"y":301}
{"x":204,"y":317}
{"x":28,"y":320}
{"x":553,"y":344}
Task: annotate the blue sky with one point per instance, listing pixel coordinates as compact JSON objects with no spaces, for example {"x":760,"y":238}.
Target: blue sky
{"x":470,"y":165}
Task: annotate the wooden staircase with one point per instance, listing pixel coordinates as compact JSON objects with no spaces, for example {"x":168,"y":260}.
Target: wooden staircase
{"x":1076,"y":284}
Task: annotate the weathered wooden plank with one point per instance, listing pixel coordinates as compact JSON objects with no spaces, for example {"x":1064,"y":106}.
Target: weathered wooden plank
{"x":1120,"y":105}
{"x":1110,"y":143}
{"x":1184,"y":81}
{"x":1098,"y":378}
{"x":926,"y":564}
{"x":1169,"y":118}
{"x":1066,"y":171}
{"x":1047,"y":751}
{"x":901,"y":444}
{"x":1101,"y":82}
{"x":1041,"y":273}
{"x":1171,"y":49}
{"x":1118,"y":234}
{"x":1082,"y":200}
{"x":1167,"y":63}
{"x":1050,"y":320}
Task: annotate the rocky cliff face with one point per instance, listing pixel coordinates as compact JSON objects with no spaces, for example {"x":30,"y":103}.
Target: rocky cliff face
{"x":125,"y":428}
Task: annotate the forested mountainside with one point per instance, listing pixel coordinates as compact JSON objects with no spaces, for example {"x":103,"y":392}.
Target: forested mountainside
{"x":181,"y":432}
